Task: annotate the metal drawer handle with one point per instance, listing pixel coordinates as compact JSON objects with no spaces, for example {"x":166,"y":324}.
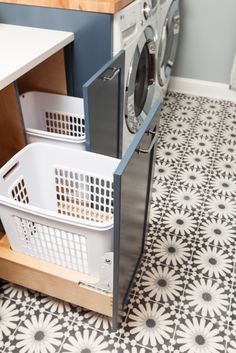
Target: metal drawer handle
{"x":114,"y":72}
{"x":154,"y":140}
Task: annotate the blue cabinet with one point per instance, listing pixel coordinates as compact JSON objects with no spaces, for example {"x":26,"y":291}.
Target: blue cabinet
{"x":92,"y":45}
{"x":103,"y":103}
{"x":99,"y":78}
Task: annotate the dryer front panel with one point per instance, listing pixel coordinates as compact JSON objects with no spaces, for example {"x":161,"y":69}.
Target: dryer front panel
{"x":168,"y":43}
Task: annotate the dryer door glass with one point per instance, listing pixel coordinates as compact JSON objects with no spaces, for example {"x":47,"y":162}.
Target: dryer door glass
{"x":140,"y":84}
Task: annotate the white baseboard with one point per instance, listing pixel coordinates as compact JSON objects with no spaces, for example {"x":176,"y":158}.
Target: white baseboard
{"x":202,"y":88}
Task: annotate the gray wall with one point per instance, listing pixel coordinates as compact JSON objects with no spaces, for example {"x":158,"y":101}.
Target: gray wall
{"x":207,"y":41}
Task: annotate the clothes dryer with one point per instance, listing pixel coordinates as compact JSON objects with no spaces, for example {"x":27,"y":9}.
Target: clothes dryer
{"x":168,"y":22}
{"x":134,"y":30}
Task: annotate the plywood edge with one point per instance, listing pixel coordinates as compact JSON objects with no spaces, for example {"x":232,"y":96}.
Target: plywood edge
{"x":49,"y":76}
{"x":52,"y":280}
{"x":12,"y":138}
{"x":100,"y":6}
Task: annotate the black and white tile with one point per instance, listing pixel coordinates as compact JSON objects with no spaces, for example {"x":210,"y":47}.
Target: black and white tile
{"x":184,"y":295}
{"x":199,"y":335}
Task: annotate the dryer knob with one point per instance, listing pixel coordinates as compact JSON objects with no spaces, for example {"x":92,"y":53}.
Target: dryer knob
{"x":147,"y":11}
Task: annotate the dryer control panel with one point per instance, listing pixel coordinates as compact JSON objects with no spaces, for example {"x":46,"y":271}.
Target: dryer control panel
{"x":128,"y":23}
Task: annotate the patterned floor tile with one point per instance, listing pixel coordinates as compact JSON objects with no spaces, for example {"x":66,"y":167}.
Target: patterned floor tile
{"x":179,"y":221}
{"x":17,"y":293}
{"x":223,"y":185}
{"x":186,"y":198}
{"x":193,"y":177}
{"x":189,"y":103}
{"x":231,"y":342}
{"x":207,"y":298}
{"x":161,"y":284}
{"x":202,"y":144}
{"x":212,"y":106}
{"x":197,"y":334}
{"x":217,"y":232}
{"x":208,"y":119}
{"x":203,"y":131}
{"x":168,"y":154}
{"x":225,"y":167}
{"x":84,"y":339}
{"x":37,"y":332}
{"x":165,"y":172}
{"x":126,"y":346}
{"x":197,"y":159}
{"x":232,"y":311}
{"x":220,"y":206}
{"x":160,"y":192}
{"x":184,"y":295}
{"x":173,"y":139}
{"x":171,"y":250}
{"x":213,"y":262}
{"x":11,"y":314}
{"x":57,"y":307}
{"x":150,"y":325}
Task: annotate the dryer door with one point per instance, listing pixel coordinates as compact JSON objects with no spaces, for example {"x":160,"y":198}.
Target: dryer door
{"x":168,"y":43}
{"x":140,"y":85}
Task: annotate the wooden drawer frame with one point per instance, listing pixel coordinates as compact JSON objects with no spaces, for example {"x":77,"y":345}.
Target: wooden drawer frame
{"x":52,"y":280}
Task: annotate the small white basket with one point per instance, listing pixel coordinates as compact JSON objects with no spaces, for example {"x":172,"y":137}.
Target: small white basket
{"x":53,"y":118}
{"x":56,"y":204}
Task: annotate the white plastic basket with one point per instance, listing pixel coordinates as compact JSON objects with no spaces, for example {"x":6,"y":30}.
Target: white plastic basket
{"x":56,"y":204}
{"x":53,"y":118}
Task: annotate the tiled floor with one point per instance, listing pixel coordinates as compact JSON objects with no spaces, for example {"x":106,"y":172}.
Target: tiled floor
{"x":184,"y":298}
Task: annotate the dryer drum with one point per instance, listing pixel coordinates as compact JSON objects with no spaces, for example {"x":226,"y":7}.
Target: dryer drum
{"x":141,"y":82}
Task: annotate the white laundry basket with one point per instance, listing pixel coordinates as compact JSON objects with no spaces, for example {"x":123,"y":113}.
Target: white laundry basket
{"x":53,"y":118}
{"x":56,"y":204}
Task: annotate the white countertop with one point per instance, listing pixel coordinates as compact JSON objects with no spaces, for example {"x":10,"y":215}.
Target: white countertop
{"x":23,"y":48}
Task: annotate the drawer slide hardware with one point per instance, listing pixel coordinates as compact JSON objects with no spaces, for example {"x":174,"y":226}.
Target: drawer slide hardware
{"x":105,"y":283}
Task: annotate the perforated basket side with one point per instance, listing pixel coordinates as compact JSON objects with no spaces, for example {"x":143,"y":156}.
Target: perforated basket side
{"x":47,"y":114}
{"x":19,"y":192}
{"x":65,"y":123}
{"x":84,"y":195}
{"x":54,"y":245}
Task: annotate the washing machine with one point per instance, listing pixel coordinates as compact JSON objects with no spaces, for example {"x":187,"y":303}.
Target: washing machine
{"x":168,"y":23}
{"x":135,"y":31}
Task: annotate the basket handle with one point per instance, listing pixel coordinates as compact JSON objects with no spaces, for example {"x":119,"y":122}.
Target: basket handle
{"x":10,"y":171}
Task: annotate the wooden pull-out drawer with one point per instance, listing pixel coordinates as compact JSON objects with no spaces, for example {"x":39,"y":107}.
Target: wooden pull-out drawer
{"x":52,"y":280}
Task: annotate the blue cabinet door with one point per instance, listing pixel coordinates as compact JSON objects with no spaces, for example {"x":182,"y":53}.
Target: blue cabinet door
{"x":103,"y":102}
{"x":132,"y":182}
